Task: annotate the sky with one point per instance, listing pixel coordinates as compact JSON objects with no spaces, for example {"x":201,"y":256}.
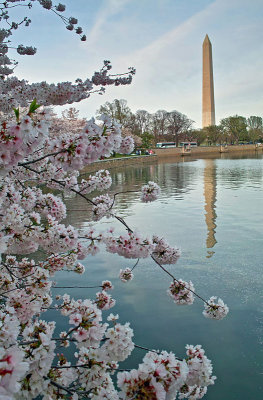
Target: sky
{"x":163,"y":40}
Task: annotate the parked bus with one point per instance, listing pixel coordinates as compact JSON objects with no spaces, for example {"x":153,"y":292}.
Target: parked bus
{"x":165,"y":145}
{"x":188,"y":144}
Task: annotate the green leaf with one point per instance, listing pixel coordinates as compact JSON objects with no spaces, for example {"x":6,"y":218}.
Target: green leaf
{"x":104,"y":130}
{"x":33,"y":106}
{"x":16,"y":111}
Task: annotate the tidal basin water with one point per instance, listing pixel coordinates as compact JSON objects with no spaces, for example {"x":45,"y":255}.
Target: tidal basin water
{"x":212,"y":210}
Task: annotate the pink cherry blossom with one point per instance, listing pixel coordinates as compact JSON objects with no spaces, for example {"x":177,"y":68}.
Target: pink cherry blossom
{"x":150,"y":192}
{"x":126,"y":275}
{"x":181,"y":292}
{"x":215,"y":310}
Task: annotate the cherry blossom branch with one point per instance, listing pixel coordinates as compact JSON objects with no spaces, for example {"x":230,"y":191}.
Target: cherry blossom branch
{"x":79,"y":366}
{"x":173,"y":277}
{"x":41,"y":158}
{"x":116,"y":194}
{"x":57,"y":385}
{"x":71,"y":210}
{"x":11,"y":290}
{"x":145,"y":348}
{"x":76,"y":287}
{"x":121,"y":220}
{"x":8,"y":6}
{"x":153,"y":351}
{"x":137,"y":262}
{"x":59,"y":183}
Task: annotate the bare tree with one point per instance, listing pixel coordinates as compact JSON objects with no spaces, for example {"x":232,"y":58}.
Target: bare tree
{"x":72,"y":113}
{"x":159,"y":124}
{"x":117,"y":110}
{"x":143,"y":120}
{"x":177,"y":124}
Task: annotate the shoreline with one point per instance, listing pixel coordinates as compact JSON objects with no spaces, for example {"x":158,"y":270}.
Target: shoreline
{"x":174,"y":153}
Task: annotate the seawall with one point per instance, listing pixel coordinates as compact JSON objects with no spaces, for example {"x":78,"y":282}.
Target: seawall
{"x":205,"y":150}
{"x":119,"y":162}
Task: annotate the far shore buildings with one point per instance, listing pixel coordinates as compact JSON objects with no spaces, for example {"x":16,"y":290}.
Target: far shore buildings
{"x":208,"y":101}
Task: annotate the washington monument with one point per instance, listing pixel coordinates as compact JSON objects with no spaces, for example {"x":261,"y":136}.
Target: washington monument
{"x":208,"y":109}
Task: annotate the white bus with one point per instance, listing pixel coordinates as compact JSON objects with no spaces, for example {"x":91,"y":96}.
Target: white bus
{"x":188,"y":144}
{"x":165,"y":145}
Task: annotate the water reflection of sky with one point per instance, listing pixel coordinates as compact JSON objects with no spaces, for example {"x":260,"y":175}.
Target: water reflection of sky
{"x":212,"y":210}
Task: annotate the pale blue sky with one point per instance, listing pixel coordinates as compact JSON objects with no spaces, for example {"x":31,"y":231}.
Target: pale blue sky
{"x":162,"y":39}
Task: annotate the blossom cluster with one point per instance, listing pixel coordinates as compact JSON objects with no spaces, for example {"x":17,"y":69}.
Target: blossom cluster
{"x":39,"y":352}
{"x":126,"y":275}
{"x":119,"y":344}
{"x":129,"y":245}
{"x":87,"y":317}
{"x":181,"y":292}
{"x":215,"y":310}
{"x":19,"y":140}
{"x":92,"y":143}
{"x":163,"y":252}
{"x":104,"y":300}
{"x":150,"y":192}
{"x":25,"y":232}
{"x":16,"y":92}
{"x":102,"y":206}
{"x":162,"y":376}
{"x":67,"y":153}
{"x":100,"y":181}
{"x":24,"y":368}
{"x":134,"y":245}
{"x":200,"y":367}
{"x":13,"y":369}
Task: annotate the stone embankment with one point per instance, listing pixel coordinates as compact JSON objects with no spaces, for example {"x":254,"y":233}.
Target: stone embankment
{"x":206,"y":150}
{"x":174,"y":153}
{"x":119,"y":162}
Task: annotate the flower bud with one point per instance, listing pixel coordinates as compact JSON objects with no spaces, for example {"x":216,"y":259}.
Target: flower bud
{"x":60,"y":7}
{"x":73,"y":20}
{"x":46,"y":4}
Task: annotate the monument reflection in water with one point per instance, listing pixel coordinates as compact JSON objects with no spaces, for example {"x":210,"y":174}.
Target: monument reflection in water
{"x":210,"y":204}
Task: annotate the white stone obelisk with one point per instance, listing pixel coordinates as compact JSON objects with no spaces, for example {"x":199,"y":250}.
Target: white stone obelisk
{"x":208,"y":101}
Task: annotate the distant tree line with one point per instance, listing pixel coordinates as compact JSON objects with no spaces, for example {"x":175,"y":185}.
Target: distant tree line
{"x":232,"y":130}
{"x":163,"y":126}
{"x":150,"y":128}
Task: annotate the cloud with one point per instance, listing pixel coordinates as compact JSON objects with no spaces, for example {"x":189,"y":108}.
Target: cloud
{"x":169,"y":70}
{"x":169,"y":60}
{"x":108,"y":9}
